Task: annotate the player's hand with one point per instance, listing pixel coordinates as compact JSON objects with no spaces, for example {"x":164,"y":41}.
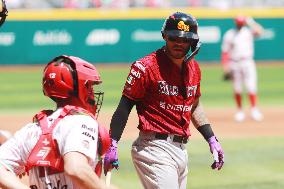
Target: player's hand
{"x":111,"y":157}
{"x":217,"y":151}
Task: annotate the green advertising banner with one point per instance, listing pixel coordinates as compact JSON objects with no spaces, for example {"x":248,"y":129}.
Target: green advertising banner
{"x":119,"y":40}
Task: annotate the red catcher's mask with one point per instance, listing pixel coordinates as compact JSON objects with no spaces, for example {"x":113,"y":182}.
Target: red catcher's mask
{"x":73,"y":79}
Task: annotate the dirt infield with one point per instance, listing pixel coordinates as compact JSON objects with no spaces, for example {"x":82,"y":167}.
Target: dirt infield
{"x":221,"y":119}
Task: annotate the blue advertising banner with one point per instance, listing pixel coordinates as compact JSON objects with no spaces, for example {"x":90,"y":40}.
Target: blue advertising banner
{"x":118,"y":40}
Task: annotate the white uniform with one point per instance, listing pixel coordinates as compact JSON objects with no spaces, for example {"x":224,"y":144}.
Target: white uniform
{"x":239,"y":44}
{"x":77,"y":133}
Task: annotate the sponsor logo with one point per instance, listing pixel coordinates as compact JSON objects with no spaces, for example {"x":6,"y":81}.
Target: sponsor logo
{"x":57,"y":185}
{"x":146,"y":36}
{"x":7,"y":38}
{"x":175,"y":107}
{"x":182,"y":26}
{"x":140,"y":66}
{"x":88,"y":128}
{"x":164,"y":88}
{"x":135,"y":73}
{"x":43,"y":163}
{"x":43,"y":152}
{"x":52,"y":75}
{"x":210,"y":34}
{"x":88,"y":135}
{"x":130,"y":80}
{"x":52,"y":37}
{"x":86,"y":144}
{"x":103,"y":37}
{"x":191,"y":91}
{"x":45,"y":142}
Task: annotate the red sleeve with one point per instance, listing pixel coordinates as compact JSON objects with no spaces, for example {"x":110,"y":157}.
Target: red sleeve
{"x":135,"y":85}
{"x":198,"y":71}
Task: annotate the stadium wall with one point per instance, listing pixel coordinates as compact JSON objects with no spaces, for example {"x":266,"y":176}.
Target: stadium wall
{"x":110,"y":36}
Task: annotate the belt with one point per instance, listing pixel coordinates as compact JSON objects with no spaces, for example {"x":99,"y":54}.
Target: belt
{"x":175,"y":138}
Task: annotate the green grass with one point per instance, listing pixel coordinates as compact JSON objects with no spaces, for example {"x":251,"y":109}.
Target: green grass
{"x":251,"y":163}
{"x":216,"y":92}
{"x":22,"y":90}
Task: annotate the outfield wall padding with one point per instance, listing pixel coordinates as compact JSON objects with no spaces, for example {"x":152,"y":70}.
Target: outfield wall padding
{"x":118,"y":39}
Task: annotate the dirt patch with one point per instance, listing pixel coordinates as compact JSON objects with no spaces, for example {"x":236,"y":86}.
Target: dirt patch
{"x":223,"y":123}
{"x":221,"y":118}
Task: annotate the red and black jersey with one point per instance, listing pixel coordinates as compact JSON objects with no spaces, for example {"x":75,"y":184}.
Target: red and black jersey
{"x":164,"y":94}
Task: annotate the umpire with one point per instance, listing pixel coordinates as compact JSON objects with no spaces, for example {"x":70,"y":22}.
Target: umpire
{"x":165,"y":87}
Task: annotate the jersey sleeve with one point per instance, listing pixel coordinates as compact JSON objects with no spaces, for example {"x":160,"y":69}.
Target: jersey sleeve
{"x":225,"y":47}
{"x":13,"y":153}
{"x":198,"y":77}
{"x":136,"y":82}
{"x":78,"y":133}
{"x":198,"y":91}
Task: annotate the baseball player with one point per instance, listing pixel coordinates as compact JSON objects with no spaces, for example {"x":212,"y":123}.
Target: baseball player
{"x":165,"y":87}
{"x":237,"y":59}
{"x":61,"y":148}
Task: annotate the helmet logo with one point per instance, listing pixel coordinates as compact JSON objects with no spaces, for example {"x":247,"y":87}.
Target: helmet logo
{"x":182,"y":26}
{"x":52,"y":75}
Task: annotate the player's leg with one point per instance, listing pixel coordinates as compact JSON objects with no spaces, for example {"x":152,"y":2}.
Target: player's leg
{"x":251,"y":86}
{"x":160,"y":164}
{"x":238,"y":89}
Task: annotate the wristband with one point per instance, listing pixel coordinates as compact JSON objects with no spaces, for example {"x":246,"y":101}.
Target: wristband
{"x":206,"y":131}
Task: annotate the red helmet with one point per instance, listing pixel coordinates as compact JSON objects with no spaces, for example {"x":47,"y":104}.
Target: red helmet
{"x":71,"y":78}
{"x":240,"y":21}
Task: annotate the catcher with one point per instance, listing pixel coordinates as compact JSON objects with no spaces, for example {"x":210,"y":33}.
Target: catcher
{"x":61,"y":148}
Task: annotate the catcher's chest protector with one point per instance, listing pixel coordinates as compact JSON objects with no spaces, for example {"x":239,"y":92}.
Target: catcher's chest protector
{"x":46,"y":152}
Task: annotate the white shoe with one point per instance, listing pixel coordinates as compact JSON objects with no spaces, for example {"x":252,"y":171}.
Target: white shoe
{"x":256,"y":114}
{"x":240,"y":116}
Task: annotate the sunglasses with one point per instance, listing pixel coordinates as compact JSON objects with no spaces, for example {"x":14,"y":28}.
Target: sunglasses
{"x":179,"y":39}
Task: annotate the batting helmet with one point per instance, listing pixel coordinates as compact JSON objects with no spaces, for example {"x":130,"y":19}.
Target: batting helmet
{"x":72,"y":79}
{"x":181,"y":25}
{"x":3,"y":12}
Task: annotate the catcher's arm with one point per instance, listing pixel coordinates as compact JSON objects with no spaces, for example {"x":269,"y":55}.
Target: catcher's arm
{"x":10,"y":180}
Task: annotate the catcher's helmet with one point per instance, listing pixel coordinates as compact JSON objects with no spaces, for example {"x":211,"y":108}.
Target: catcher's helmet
{"x":182,"y":25}
{"x":71,"y":78}
{"x":3,"y":12}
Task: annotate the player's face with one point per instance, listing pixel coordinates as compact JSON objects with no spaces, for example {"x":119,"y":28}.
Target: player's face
{"x":177,"y":47}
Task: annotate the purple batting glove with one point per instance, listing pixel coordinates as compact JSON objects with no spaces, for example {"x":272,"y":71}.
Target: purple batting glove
{"x":111,"y":157}
{"x":217,"y":151}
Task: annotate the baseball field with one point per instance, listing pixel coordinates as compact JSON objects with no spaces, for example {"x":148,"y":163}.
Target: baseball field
{"x":254,"y":151}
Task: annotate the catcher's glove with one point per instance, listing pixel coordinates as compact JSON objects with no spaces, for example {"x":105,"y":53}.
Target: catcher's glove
{"x":228,"y":76}
{"x":3,"y":12}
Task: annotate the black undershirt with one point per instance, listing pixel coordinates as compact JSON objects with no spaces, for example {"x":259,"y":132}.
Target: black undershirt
{"x":120,"y":117}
